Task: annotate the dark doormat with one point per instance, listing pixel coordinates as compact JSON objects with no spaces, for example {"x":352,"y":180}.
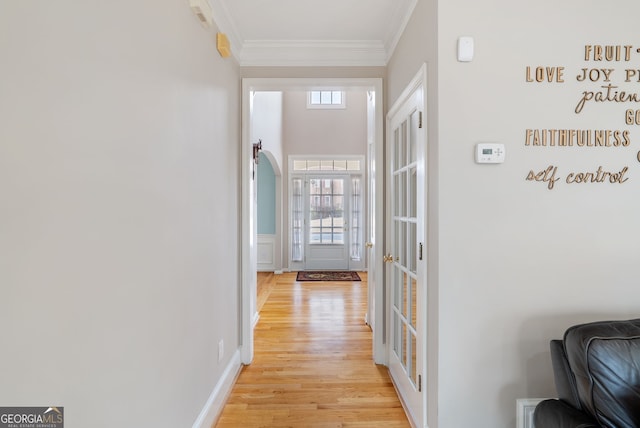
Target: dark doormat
{"x":327,"y":276}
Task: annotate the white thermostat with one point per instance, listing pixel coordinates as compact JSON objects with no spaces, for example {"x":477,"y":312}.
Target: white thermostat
{"x":489,"y":153}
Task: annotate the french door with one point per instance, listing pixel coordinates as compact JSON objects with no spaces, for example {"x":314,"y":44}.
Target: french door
{"x":406,"y":246}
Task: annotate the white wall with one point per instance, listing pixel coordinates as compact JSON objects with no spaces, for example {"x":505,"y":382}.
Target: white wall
{"x":518,"y":263}
{"x":325,"y":131}
{"x":118,"y":245}
{"x":266,"y":124}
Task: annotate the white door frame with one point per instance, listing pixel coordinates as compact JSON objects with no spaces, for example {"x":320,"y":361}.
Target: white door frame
{"x":248,"y":239}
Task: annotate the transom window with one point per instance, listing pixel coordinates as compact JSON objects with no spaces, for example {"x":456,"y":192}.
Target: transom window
{"x":326,"y":165}
{"x":326,"y":99}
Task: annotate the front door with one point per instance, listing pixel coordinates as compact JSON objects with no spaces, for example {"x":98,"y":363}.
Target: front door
{"x":406,"y":261}
{"x":327,"y":237}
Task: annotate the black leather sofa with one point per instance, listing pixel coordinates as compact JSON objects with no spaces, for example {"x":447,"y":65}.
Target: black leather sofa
{"x":597,"y":375}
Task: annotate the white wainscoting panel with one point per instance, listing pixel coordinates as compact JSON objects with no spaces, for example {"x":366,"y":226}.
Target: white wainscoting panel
{"x":266,"y":252}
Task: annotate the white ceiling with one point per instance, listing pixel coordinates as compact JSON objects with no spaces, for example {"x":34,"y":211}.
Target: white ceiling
{"x":312,"y":32}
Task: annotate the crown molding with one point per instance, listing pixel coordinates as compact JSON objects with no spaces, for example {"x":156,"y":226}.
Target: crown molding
{"x":312,"y":53}
{"x":398,"y":28}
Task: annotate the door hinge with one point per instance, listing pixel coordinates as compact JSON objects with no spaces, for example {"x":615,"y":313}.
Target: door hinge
{"x":420,"y":251}
{"x":419,"y":383}
{"x":420,"y":120}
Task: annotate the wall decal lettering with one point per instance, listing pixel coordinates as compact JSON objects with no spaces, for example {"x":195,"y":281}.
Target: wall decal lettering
{"x":608,"y":77}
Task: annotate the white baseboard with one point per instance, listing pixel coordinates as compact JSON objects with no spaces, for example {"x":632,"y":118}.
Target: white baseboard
{"x":217,"y":399}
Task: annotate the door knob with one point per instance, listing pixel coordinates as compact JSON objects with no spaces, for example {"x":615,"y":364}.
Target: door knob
{"x":368,"y":244}
{"x":388,"y":258}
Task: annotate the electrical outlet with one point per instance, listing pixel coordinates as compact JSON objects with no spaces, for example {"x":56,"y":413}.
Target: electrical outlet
{"x":220,"y":350}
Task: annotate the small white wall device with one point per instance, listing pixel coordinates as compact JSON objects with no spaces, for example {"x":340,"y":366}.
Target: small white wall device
{"x":465,"y":49}
{"x":489,"y":153}
{"x":202,"y":9}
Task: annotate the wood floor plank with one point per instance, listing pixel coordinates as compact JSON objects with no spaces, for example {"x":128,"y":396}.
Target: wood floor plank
{"x":312,"y":364}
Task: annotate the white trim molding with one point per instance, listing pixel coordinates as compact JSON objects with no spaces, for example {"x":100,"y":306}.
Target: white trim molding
{"x":213,"y":408}
{"x":524,"y":411}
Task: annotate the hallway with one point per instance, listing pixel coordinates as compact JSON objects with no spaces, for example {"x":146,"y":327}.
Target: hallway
{"x":312,"y":365}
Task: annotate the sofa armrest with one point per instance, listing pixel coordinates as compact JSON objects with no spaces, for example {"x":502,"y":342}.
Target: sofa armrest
{"x":563,"y":376}
{"x":560,"y":414}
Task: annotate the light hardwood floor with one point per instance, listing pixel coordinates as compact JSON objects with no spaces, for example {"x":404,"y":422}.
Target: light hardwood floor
{"x":312,"y":362}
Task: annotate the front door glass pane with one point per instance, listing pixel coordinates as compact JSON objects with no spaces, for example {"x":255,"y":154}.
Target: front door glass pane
{"x":326,"y":211}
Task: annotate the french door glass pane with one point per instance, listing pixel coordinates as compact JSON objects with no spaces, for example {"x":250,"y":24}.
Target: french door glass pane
{"x":402,"y":194}
{"x":397,"y":295}
{"x":397,"y":336}
{"x":414,"y":309}
{"x":414,"y":359}
{"x":405,"y":295}
{"x":413,"y":192}
{"x":401,"y":255}
{"x":413,"y":137}
{"x":406,"y":352}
